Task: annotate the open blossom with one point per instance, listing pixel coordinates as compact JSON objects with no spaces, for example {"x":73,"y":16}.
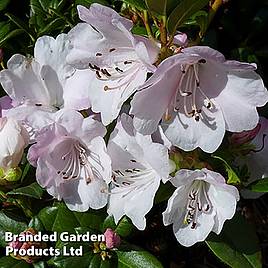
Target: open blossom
{"x":119,"y":60}
{"x":45,"y":82}
{"x":72,"y":162}
{"x":138,"y":167}
{"x":200,"y":204}
{"x":14,"y":139}
{"x":199,"y":95}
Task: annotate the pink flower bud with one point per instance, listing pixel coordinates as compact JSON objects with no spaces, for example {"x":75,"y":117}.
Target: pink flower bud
{"x":1,"y":54}
{"x":16,"y":244}
{"x":112,"y":239}
{"x":181,"y":39}
{"x":245,"y":136}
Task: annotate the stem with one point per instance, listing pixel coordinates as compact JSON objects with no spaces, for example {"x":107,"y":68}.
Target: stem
{"x":212,"y":12}
{"x":147,"y":24}
{"x":163,"y":31}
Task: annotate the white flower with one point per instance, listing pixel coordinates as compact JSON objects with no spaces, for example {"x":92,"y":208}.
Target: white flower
{"x":138,"y":167}
{"x":72,"y":161}
{"x":119,"y":60}
{"x":199,"y":95}
{"x":200,"y":204}
{"x":14,"y":139}
{"x":45,"y":82}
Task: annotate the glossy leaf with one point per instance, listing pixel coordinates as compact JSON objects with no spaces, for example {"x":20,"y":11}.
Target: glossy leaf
{"x":137,"y":258}
{"x":33,"y":190}
{"x":9,"y":262}
{"x":237,"y":245}
{"x":124,"y":227}
{"x":260,"y":185}
{"x":3,"y":4}
{"x":184,"y":10}
{"x":10,"y":35}
{"x":159,"y":7}
{"x":140,"y":4}
{"x":8,"y":224}
{"x":232,"y":176}
{"x":59,"y":218}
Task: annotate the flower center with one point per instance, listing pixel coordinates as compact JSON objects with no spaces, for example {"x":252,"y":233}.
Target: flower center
{"x":132,"y":179}
{"x":122,"y":72}
{"x":198,"y":202}
{"x":189,"y":92}
{"x":74,"y":161}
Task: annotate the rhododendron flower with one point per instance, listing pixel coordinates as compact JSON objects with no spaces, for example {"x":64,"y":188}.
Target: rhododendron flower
{"x":200,"y":204}
{"x":119,"y":60}
{"x":198,"y":95}
{"x":45,"y":82}
{"x":138,"y":167}
{"x":14,"y":139}
{"x":72,"y":162}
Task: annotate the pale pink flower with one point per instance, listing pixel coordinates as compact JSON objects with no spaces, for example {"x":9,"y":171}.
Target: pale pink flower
{"x":14,"y":139}
{"x":119,"y":60}
{"x":72,"y":162}
{"x":44,"y":82}
{"x":139,"y":165}
{"x":201,"y":203}
{"x":199,"y":95}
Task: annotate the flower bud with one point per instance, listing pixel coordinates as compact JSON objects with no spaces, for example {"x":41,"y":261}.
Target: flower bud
{"x":112,"y":239}
{"x":1,"y":54}
{"x":244,"y":136}
{"x":26,"y":245}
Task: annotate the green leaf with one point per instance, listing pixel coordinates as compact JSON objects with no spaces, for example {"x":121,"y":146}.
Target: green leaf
{"x":72,"y":261}
{"x":10,"y":35}
{"x":8,"y":262}
{"x":137,"y":259}
{"x":164,"y":192}
{"x":36,"y":224}
{"x":40,"y":264}
{"x":8,"y":224}
{"x":51,"y":26}
{"x":33,"y":190}
{"x":184,"y":10}
{"x":232,"y":176}
{"x":237,"y":245}
{"x":159,"y":7}
{"x":59,"y":218}
{"x":3,"y":4}
{"x":124,"y":227}
{"x":140,"y":4}
{"x":260,"y":186}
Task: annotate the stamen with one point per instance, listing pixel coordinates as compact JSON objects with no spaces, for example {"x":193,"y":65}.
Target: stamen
{"x":202,"y":61}
{"x":198,"y":202}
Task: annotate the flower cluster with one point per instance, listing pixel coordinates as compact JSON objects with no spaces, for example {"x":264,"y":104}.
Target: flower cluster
{"x":61,"y":100}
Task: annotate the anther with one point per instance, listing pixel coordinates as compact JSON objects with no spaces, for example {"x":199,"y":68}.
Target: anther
{"x":112,"y":49}
{"x":202,"y":61}
{"x":127,"y":62}
{"x":98,"y":54}
{"x":98,"y":74}
{"x":119,"y":70}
